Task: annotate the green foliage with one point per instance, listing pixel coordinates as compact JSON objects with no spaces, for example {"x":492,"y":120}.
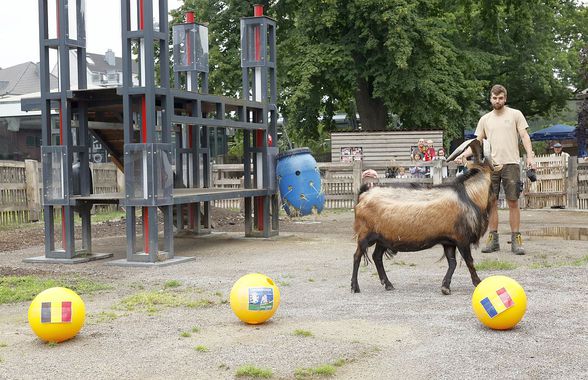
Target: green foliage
{"x":153,"y":301}
{"x":25,"y":288}
{"x":201,"y":348}
{"x":407,"y":64}
{"x":254,"y":372}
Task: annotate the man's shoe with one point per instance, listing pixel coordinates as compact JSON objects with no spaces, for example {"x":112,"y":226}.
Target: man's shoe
{"x":517,"y":243}
{"x":492,"y":244}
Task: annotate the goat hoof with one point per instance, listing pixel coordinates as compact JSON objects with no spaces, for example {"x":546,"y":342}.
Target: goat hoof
{"x":476,"y":282}
{"x":388,"y":286}
{"x":445,"y":290}
{"x":354,"y":289}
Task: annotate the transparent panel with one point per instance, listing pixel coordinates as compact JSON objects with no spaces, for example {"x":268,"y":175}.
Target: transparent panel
{"x":134,"y":14}
{"x":51,"y":19}
{"x":72,"y":30}
{"x":190,"y":47}
{"x":139,"y":186}
{"x":156,"y":26}
{"x":54,"y":183}
{"x":164,"y":171}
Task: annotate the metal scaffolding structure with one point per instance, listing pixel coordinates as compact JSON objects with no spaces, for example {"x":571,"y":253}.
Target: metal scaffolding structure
{"x":162,"y":144}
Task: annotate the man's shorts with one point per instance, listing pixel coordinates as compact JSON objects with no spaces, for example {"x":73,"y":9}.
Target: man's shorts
{"x":510,"y":177}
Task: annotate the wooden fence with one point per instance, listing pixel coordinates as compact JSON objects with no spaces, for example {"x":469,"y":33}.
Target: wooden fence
{"x":558,"y":184}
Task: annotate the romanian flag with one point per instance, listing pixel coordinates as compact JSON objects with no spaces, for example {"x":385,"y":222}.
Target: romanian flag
{"x":497,"y":303}
{"x":56,"y":312}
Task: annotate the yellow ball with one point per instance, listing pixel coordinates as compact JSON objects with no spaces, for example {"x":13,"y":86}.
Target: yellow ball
{"x":499,"y":302}
{"x":254,"y":298}
{"x":57,"y":314}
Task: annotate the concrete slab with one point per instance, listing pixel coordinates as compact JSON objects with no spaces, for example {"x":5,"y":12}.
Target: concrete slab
{"x":75,"y":260}
{"x":126,"y":263}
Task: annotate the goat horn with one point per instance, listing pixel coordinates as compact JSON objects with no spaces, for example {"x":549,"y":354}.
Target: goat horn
{"x":460,"y":149}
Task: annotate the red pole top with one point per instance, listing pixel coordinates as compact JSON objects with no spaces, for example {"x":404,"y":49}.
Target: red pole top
{"x":258,"y":10}
{"x":190,"y":17}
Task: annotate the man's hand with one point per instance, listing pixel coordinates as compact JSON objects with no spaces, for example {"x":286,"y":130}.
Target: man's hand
{"x":531,"y":163}
{"x":460,"y":160}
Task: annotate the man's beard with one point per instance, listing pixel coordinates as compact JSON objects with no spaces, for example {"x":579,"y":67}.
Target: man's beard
{"x":497,"y":106}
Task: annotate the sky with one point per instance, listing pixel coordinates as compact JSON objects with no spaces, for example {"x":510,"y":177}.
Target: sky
{"x":19,"y":29}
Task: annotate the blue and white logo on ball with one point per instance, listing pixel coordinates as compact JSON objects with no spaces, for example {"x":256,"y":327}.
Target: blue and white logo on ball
{"x":261,"y":298}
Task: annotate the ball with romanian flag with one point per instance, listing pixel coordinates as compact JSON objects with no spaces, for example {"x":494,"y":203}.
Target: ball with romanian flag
{"x":57,"y":314}
{"x":499,"y":302}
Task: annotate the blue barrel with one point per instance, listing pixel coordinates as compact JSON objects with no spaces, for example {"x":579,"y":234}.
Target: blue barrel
{"x":299,"y":180}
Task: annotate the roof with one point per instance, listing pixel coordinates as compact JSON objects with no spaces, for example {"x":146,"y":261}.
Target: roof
{"x":22,"y":79}
{"x":97,"y":63}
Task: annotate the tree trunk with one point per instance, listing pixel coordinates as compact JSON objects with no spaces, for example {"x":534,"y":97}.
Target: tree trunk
{"x":373,"y":113}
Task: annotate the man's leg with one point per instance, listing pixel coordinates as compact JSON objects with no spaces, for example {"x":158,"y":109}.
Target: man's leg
{"x":514,"y":215}
{"x":512,"y":190}
{"x":492,"y":243}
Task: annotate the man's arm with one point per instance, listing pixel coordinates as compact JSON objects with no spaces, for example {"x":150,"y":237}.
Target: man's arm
{"x":528,"y":148}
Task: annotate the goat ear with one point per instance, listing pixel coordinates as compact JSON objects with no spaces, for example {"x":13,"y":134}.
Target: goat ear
{"x":475,"y":145}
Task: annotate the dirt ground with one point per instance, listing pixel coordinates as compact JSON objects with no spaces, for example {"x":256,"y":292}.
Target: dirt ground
{"x":410,"y":332}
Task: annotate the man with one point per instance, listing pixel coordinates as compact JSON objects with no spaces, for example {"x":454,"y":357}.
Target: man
{"x":502,"y":127}
{"x":558,"y":152}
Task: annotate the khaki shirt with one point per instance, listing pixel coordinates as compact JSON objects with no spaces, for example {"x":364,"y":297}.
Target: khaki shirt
{"x":502,"y":132}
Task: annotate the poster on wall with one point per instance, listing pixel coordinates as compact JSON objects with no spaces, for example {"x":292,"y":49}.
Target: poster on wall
{"x":351,"y":153}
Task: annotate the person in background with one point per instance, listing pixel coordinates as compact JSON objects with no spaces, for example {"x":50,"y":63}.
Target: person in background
{"x":417,"y":170}
{"x":502,"y":127}
{"x":558,"y":152}
{"x":370,"y":177}
{"x":441,"y":156}
{"x":429,"y":151}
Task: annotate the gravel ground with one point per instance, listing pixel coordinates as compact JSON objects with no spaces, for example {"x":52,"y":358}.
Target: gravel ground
{"x":411,"y":332}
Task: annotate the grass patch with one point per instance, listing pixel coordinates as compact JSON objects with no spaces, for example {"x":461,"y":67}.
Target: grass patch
{"x":185,"y":334}
{"x":326,"y":370}
{"x":572,"y":263}
{"x":172,"y":284}
{"x":340,"y":362}
{"x":283,"y":283}
{"x":201,"y":348}
{"x":52,"y":344}
{"x":580,"y":262}
{"x":300,"y":332}
{"x":195,"y":329}
{"x":255,"y":372}
{"x":311,"y":280}
{"x":153,"y":301}
{"x":25,"y":288}
{"x":495,"y":265}
{"x":104,"y":317}
{"x":2,"y":344}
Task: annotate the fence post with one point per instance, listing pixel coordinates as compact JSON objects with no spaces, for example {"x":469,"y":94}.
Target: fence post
{"x":357,"y":169}
{"x":572,"y":188}
{"x":33,"y":189}
{"x":437,"y":172}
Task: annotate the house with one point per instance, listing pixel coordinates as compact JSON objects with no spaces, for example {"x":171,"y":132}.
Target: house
{"x":20,"y":132}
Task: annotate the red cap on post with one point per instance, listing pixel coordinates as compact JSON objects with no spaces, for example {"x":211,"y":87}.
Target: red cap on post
{"x":190,"y":17}
{"x":258,"y":10}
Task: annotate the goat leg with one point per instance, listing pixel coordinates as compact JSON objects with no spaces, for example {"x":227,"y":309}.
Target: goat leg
{"x":377,"y":256}
{"x":466,"y":253}
{"x":356,"y":261}
{"x":449,"y":251}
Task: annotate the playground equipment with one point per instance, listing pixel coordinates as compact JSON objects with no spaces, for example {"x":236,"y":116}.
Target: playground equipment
{"x":299,"y":180}
{"x":499,"y":302}
{"x":157,"y":135}
{"x":57,"y":314}
{"x":254,"y":298}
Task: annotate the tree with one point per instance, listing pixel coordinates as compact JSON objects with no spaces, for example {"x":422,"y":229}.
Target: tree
{"x":404,"y":63}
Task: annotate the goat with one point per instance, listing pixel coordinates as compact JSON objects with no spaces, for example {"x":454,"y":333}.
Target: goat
{"x":454,"y":215}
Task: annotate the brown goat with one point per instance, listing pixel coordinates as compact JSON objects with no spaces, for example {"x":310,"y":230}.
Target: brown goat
{"x":454,"y":215}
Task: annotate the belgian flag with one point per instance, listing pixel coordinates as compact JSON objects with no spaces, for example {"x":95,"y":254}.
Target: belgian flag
{"x":56,"y":312}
